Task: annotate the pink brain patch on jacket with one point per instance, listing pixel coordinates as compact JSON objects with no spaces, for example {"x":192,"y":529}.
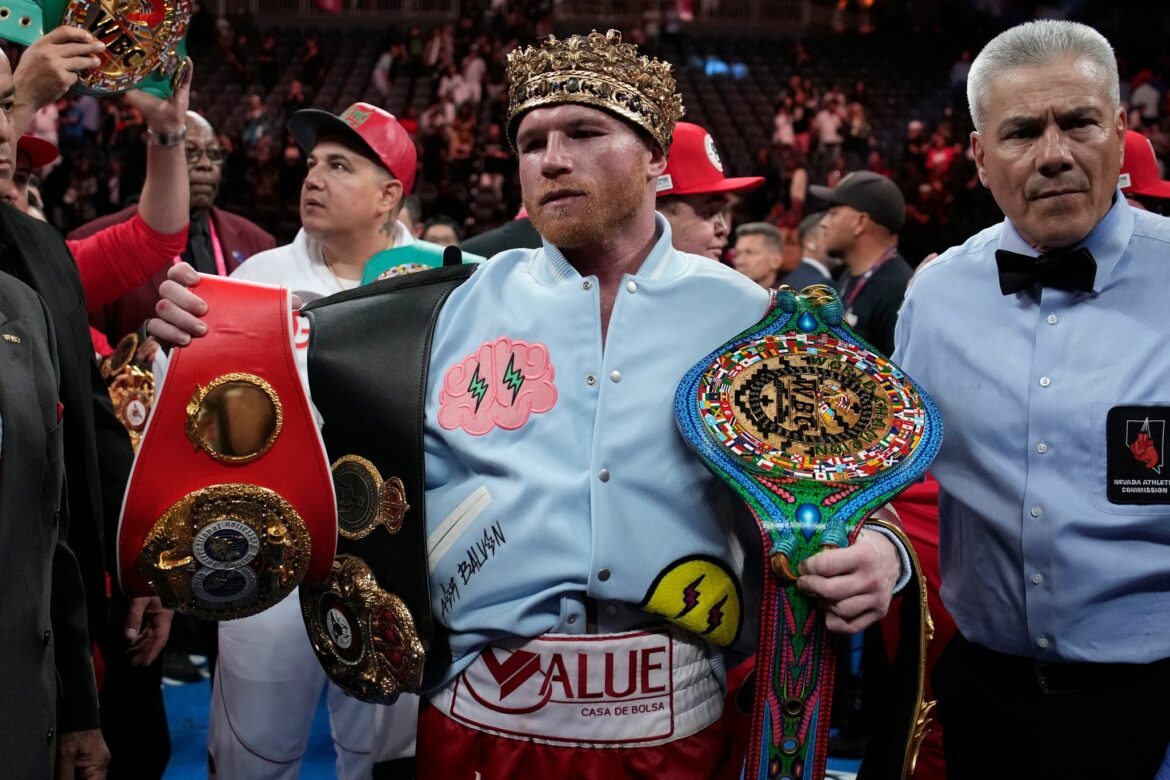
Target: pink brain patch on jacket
{"x":502,"y":383}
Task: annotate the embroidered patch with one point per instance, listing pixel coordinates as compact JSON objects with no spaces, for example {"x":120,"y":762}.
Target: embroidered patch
{"x":700,"y":594}
{"x":1135,"y":452}
{"x":502,"y":384}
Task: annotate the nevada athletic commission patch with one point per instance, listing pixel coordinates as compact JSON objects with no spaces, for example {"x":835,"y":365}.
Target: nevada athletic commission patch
{"x":810,"y":406}
{"x":1135,"y":453}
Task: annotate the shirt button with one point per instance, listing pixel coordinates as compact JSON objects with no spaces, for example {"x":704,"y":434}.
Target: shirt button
{"x":590,"y":380}
{"x":1037,"y":578}
{"x":611,"y":609}
{"x":631,"y":287}
{"x":1036,"y":511}
{"x":572,"y":619}
{"x":1042,"y":641}
{"x":603,"y":475}
{"x":45,"y":638}
{"x":49,"y":735}
{"x":1042,"y":448}
{"x":1045,"y":381}
{"x":1052,"y":319}
{"x":615,"y":376}
{"x":586,"y":285}
{"x":603,"y":575}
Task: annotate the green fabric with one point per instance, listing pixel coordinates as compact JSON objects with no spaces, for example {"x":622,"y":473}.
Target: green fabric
{"x":418,"y":253}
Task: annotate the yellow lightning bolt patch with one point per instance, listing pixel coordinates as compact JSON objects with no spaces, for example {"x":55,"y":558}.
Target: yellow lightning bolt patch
{"x":700,"y":594}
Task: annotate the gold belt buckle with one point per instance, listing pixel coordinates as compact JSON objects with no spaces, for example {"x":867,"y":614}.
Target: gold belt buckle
{"x":226,"y":551}
{"x":365,"y":637}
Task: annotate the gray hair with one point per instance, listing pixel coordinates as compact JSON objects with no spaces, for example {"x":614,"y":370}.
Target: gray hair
{"x":770,"y":232}
{"x":809,"y":224}
{"x":1039,"y":43}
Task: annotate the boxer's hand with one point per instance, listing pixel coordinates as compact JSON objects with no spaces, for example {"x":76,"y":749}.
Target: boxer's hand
{"x":853,"y":584}
{"x":178,"y":308}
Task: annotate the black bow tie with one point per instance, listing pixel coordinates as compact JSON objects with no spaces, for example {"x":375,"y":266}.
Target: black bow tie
{"x":1065,"y":271}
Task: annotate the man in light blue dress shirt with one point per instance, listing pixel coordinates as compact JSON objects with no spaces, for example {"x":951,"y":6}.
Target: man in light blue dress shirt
{"x":1054,"y":382}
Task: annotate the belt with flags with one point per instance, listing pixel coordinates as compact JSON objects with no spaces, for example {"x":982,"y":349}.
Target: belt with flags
{"x":814,"y":430}
{"x":230,"y":503}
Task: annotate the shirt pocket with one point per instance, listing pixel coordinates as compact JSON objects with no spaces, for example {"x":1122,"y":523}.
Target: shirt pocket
{"x":1130,"y":448}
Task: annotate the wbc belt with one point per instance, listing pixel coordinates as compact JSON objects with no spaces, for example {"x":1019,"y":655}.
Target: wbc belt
{"x":814,"y":430}
{"x":230,"y":504}
{"x":145,"y":39}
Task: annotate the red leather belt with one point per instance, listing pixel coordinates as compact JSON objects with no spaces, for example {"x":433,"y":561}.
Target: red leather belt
{"x":230,"y":504}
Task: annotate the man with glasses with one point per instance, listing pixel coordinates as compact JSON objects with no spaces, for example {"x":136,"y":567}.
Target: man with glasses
{"x":217,"y":240}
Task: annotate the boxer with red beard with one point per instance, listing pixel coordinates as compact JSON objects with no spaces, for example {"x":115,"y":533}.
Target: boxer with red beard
{"x":579,"y":555}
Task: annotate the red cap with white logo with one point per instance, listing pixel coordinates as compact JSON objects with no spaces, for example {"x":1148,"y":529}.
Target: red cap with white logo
{"x":694,"y":168}
{"x":369,"y":128}
{"x":1139,"y":170}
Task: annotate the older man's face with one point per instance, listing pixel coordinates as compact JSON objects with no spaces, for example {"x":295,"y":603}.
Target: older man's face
{"x":205,"y":159}
{"x":1050,"y":150}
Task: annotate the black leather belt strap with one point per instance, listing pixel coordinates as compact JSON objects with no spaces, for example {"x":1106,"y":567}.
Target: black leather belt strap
{"x":369,"y":355}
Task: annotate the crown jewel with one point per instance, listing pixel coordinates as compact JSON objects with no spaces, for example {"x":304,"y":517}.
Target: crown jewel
{"x":596,"y":70}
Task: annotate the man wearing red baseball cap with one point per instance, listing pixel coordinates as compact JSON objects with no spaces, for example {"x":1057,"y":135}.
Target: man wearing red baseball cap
{"x":694,"y":195}
{"x":1140,"y":181}
{"x":268,"y":681}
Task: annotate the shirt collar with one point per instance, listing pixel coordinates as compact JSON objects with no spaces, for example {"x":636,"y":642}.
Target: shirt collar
{"x":1107,"y":241}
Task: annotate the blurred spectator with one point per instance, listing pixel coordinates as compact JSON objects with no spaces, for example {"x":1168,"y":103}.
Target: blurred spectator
{"x":258,"y":123}
{"x":442,"y":230}
{"x":866,"y":215}
{"x":268,"y":60}
{"x":497,"y":161}
{"x":856,"y":136}
{"x":382,"y":77}
{"x":1146,"y":97}
{"x":759,"y":253}
{"x":295,"y":98}
{"x":813,"y":255}
{"x":312,"y":61}
{"x":783,"y":134}
{"x":411,"y":215}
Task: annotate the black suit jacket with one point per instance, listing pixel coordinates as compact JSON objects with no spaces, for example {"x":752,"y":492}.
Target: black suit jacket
{"x":43,"y":636}
{"x":35,"y":253}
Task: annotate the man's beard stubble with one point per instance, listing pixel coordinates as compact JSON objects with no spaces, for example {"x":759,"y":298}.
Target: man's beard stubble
{"x":602,"y":213}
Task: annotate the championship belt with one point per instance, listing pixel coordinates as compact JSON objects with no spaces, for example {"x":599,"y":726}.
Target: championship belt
{"x":145,"y":39}
{"x":814,"y":430}
{"x":371,"y":623}
{"x":131,"y":387}
{"x":230,"y":505}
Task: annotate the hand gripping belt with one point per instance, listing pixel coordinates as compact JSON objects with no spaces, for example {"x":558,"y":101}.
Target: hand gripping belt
{"x":371,"y":623}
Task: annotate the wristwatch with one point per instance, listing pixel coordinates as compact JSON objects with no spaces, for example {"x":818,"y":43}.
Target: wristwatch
{"x":166,"y":139}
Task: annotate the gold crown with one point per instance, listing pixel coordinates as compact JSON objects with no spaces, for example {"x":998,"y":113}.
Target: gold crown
{"x":596,"y":70}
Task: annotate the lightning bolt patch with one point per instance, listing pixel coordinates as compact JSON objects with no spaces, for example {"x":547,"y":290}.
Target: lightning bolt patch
{"x":700,"y":594}
{"x":715,"y":616}
{"x":477,"y":388}
{"x":690,"y":596}
{"x":513,"y":379}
